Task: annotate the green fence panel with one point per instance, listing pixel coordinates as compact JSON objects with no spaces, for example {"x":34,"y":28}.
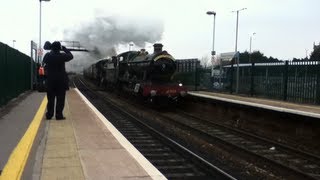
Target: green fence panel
{"x":302,"y":82}
{"x":188,"y":73}
{"x":15,"y":69}
{"x":2,"y":73}
{"x":290,"y":81}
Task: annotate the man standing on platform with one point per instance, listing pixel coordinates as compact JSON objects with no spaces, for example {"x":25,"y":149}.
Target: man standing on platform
{"x":57,"y":78}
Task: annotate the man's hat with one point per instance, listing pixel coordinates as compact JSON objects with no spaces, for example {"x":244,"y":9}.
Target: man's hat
{"x":56,"y":45}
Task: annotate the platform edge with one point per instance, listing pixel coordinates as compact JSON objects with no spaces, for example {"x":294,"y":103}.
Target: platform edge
{"x":153,"y":172}
{"x":19,"y":156}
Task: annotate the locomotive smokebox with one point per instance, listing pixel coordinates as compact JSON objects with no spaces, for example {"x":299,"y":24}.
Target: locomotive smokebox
{"x":157,"y":47}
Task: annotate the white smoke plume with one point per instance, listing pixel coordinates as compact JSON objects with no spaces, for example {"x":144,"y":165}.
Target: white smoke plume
{"x":103,"y":37}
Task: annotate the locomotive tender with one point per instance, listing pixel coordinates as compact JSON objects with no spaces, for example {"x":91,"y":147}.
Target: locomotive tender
{"x":139,"y":73}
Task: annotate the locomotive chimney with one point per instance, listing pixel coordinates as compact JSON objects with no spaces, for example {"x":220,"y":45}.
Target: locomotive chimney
{"x":157,"y":47}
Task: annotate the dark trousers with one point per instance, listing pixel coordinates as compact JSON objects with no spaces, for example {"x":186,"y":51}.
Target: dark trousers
{"x":59,"y":94}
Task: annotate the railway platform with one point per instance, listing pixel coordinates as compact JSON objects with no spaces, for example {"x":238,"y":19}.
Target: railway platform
{"x":274,"y":105}
{"x":83,"y":146}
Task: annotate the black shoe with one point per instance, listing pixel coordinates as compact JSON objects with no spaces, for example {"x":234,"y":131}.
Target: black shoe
{"x":48,"y":116}
{"x":60,"y":118}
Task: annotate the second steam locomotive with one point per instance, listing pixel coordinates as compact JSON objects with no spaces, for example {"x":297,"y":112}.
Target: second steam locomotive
{"x":139,"y":73}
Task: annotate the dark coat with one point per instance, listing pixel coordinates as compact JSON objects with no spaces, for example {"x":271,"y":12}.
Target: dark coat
{"x":55,"y":68}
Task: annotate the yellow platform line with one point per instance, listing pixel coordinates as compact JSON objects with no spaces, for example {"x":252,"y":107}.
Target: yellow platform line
{"x":17,"y":161}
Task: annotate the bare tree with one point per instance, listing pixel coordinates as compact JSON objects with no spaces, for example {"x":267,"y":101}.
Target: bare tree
{"x":205,"y":61}
{"x":315,"y":55}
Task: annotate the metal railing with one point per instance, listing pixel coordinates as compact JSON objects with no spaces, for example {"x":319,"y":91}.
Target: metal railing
{"x":288,"y":81}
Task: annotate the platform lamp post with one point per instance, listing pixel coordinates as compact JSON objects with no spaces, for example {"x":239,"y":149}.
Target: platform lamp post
{"x":40,"y":51}
{"x":250,"y":46}
{"x":213,"y":36}
{"x":236,"y":48}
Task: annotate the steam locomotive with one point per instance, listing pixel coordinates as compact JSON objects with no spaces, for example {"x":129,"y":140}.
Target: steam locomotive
{"x":136,"y":72}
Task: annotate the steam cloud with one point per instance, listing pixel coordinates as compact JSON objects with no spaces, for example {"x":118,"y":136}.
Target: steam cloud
{"x":105,"y":35}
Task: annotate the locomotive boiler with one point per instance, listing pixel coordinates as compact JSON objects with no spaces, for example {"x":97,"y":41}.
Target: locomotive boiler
{"x":142,"y":74}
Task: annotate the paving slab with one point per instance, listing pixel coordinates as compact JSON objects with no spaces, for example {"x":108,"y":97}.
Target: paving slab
{"x":102,"y":156}
{"x":61,"y":158}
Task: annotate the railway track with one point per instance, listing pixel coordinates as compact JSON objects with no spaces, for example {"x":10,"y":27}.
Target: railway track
{"x":290,"y":161}
{"x":171,"y":158}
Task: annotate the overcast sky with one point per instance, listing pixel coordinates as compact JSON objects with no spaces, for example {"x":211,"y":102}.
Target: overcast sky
{"x":284,"y":28}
